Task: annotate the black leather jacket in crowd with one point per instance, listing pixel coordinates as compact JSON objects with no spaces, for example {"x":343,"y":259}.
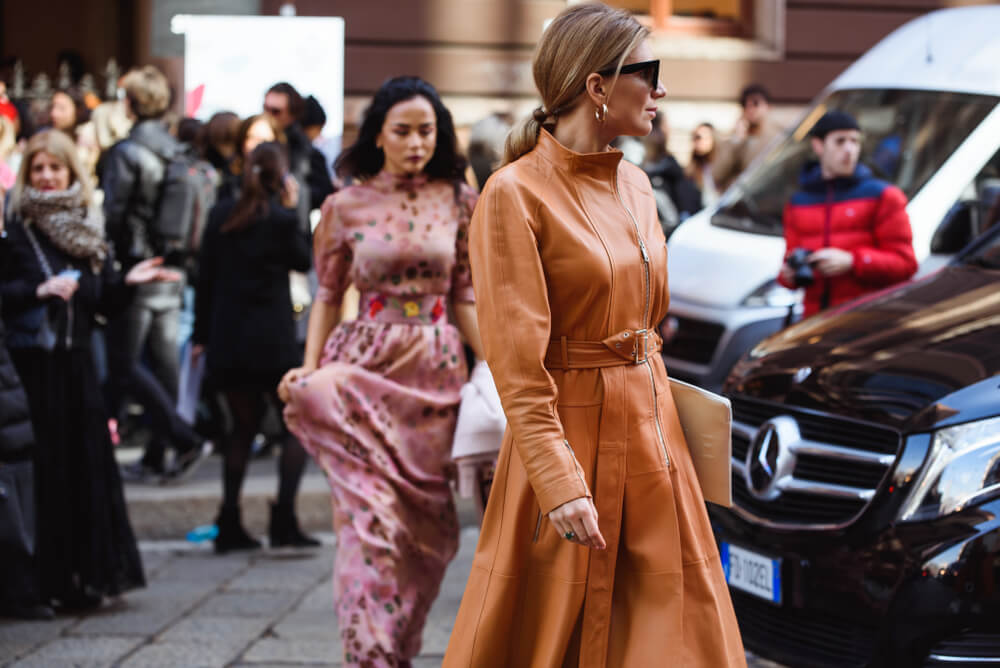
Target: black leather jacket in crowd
{"x":131,"y":178}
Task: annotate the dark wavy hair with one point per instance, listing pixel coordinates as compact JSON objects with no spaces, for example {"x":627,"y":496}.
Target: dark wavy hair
{"x":263,"y":179}
{"x":363,"y":160}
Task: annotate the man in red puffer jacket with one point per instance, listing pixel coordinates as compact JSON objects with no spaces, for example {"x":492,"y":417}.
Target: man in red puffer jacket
{"x":852,"y":229}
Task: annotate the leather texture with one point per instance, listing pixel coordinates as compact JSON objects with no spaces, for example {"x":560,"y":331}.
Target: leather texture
{"x":568,"y":257}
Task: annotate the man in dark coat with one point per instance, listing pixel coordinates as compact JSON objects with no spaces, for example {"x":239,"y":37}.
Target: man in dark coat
{"x":134,"y":171}
{"x":306,"y":162}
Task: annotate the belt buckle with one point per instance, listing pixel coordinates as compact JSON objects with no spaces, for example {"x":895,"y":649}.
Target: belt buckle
{"x":641,"y":339}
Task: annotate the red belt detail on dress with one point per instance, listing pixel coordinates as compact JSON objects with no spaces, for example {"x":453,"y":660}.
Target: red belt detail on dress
{"x":403,"y":309}
{"x":611,"y":356}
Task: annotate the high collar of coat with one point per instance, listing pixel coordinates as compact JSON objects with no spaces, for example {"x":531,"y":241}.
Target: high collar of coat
{"x":603,"y":164}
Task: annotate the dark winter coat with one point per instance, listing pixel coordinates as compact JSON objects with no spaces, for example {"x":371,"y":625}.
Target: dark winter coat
{"x":73,"y":321}
{"x":132,"y":177}
{"x":16,"y":435}
{"x":860,"y":214}
{"x":243,"y":311}
{"x":666,"y":174}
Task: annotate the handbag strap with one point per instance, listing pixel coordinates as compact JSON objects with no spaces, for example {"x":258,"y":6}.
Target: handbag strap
{"x":42,"y":260}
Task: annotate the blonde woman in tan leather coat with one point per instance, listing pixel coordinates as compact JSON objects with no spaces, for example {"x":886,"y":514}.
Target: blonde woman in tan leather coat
{"x":596,"y":549}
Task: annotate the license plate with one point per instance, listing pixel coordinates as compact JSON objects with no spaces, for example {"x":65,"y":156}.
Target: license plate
{"x":751,"y":572}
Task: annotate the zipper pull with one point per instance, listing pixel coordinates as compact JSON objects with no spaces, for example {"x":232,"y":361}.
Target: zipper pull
{"x":642,"y":249}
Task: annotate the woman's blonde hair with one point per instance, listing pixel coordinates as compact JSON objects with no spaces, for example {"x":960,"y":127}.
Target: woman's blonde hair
{"x":61,"y":147}
{"x":583,"y":39}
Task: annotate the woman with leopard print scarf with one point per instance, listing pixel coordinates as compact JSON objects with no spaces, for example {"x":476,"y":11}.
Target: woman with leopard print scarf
{"x":57,"y":273}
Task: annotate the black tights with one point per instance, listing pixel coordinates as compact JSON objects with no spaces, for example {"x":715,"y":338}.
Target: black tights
{"x":247,"y":408}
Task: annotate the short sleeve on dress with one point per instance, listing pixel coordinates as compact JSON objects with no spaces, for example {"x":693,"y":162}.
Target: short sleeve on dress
{"x":461,"y":278}
{"x":332,"y":255}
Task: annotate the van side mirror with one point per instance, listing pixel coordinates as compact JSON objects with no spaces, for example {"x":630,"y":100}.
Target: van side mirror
{"x":958,"y":228}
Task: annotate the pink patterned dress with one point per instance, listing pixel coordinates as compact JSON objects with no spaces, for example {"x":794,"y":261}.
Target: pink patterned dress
{"x":379,"y":414}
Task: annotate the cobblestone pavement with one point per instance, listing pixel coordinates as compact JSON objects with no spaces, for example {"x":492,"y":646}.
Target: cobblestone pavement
{"x":249,"y":610}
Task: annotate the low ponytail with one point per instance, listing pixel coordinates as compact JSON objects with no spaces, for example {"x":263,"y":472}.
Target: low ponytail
{"x":522,"y":137}
{"x":584,"y":38}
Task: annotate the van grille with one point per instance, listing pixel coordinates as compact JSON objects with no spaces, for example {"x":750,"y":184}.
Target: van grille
{"x":695,"y":340}
{"x":825,"y":474}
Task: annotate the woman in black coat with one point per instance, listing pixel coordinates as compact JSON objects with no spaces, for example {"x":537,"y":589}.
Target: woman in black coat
{"x":19,"y":593}
{"x":58,"y":273}
{"x":244,"y":324}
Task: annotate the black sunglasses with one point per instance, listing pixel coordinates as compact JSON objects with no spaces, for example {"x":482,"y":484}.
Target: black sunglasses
{"x":650,"y":70}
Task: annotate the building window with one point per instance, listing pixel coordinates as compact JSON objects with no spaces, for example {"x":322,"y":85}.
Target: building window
{"x":730,"y":18}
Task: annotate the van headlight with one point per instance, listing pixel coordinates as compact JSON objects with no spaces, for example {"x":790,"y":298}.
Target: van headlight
{"x":771,"y":293}
{"x":962,"y":467}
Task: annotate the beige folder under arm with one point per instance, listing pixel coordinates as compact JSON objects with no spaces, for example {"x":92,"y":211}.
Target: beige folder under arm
{"x":707,"y":421}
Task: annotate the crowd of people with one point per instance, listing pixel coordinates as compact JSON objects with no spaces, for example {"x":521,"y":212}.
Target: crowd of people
{"x":212,"y":221}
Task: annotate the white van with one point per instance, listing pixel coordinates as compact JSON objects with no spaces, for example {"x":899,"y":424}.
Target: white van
{"x":927,"y":98}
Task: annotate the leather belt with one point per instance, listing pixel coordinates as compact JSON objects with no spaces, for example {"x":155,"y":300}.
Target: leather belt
{"x":627,"y":347}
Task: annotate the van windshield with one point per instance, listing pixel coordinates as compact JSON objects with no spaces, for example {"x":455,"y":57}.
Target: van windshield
{"x":908,"y":134}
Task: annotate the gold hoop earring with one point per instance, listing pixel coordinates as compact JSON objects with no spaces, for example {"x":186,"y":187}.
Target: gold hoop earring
{"x":601,"y":113}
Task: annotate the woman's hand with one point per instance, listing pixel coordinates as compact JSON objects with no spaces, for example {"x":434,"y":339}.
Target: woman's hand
{"x":62,"y":287}
{"x":150,"y":271}
{"x":290,"y":192}
{"x":292,"y":376}
{"x":579,"y":517}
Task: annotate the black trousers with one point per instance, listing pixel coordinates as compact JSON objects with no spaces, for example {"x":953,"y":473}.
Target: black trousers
{"x":150,"y":325}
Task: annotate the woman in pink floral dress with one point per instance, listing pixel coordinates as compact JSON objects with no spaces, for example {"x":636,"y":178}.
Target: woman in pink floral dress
{"x":376,"y":400}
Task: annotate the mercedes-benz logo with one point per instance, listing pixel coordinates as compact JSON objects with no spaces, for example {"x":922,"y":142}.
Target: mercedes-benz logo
{"x":765,"y":461}
{"x":770,"y":459}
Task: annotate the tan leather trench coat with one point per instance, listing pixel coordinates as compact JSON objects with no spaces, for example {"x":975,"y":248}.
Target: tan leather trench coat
{"x":570,"y":271}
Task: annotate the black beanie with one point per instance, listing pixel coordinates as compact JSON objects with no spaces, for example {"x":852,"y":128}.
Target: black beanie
{"x":833,"y":120}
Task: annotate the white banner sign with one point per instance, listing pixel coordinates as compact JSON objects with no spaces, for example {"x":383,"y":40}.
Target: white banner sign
{"x":231,"y":61}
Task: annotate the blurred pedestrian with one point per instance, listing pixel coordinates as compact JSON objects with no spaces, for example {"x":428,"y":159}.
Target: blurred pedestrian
{"x":677,"y":198}
{"x":69,"y":113}
{"x":10,"y":157}
{"x":20,"y":595}
{"x":847,"y":233}
{"x":753,"y":132}
{"x":134,"y":173}
{"x":699,"y":168}
{"x":58,"y":274}
{"x":376,"y":399}
{"x":251,"y":133}
{"x":327,"y":148}
{"x":570,"y":272}
{"x":220,"y":145}
{"x":287,"y":107}
{"x":486,"y":139}
{"x":244,"y":325}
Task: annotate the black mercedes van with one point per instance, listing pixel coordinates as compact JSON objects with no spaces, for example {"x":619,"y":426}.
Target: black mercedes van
{"x":865,"y":529}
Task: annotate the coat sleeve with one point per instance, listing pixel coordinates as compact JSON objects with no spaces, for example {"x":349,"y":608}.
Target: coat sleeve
{"x":295,"y":241}
{"x":791,"y":241}
{"x":514,"y":321}
{"x":18,"y":283}
{"x":891,"y":259}
{"x":204,"y":293}
{"x":118,"y":180}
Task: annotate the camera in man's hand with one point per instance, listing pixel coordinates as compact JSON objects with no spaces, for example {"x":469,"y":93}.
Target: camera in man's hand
{"x":798,"y":261}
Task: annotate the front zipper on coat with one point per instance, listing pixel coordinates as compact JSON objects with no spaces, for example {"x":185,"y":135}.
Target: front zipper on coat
{"x":824,"y":300}
{"x":645,"y":321}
